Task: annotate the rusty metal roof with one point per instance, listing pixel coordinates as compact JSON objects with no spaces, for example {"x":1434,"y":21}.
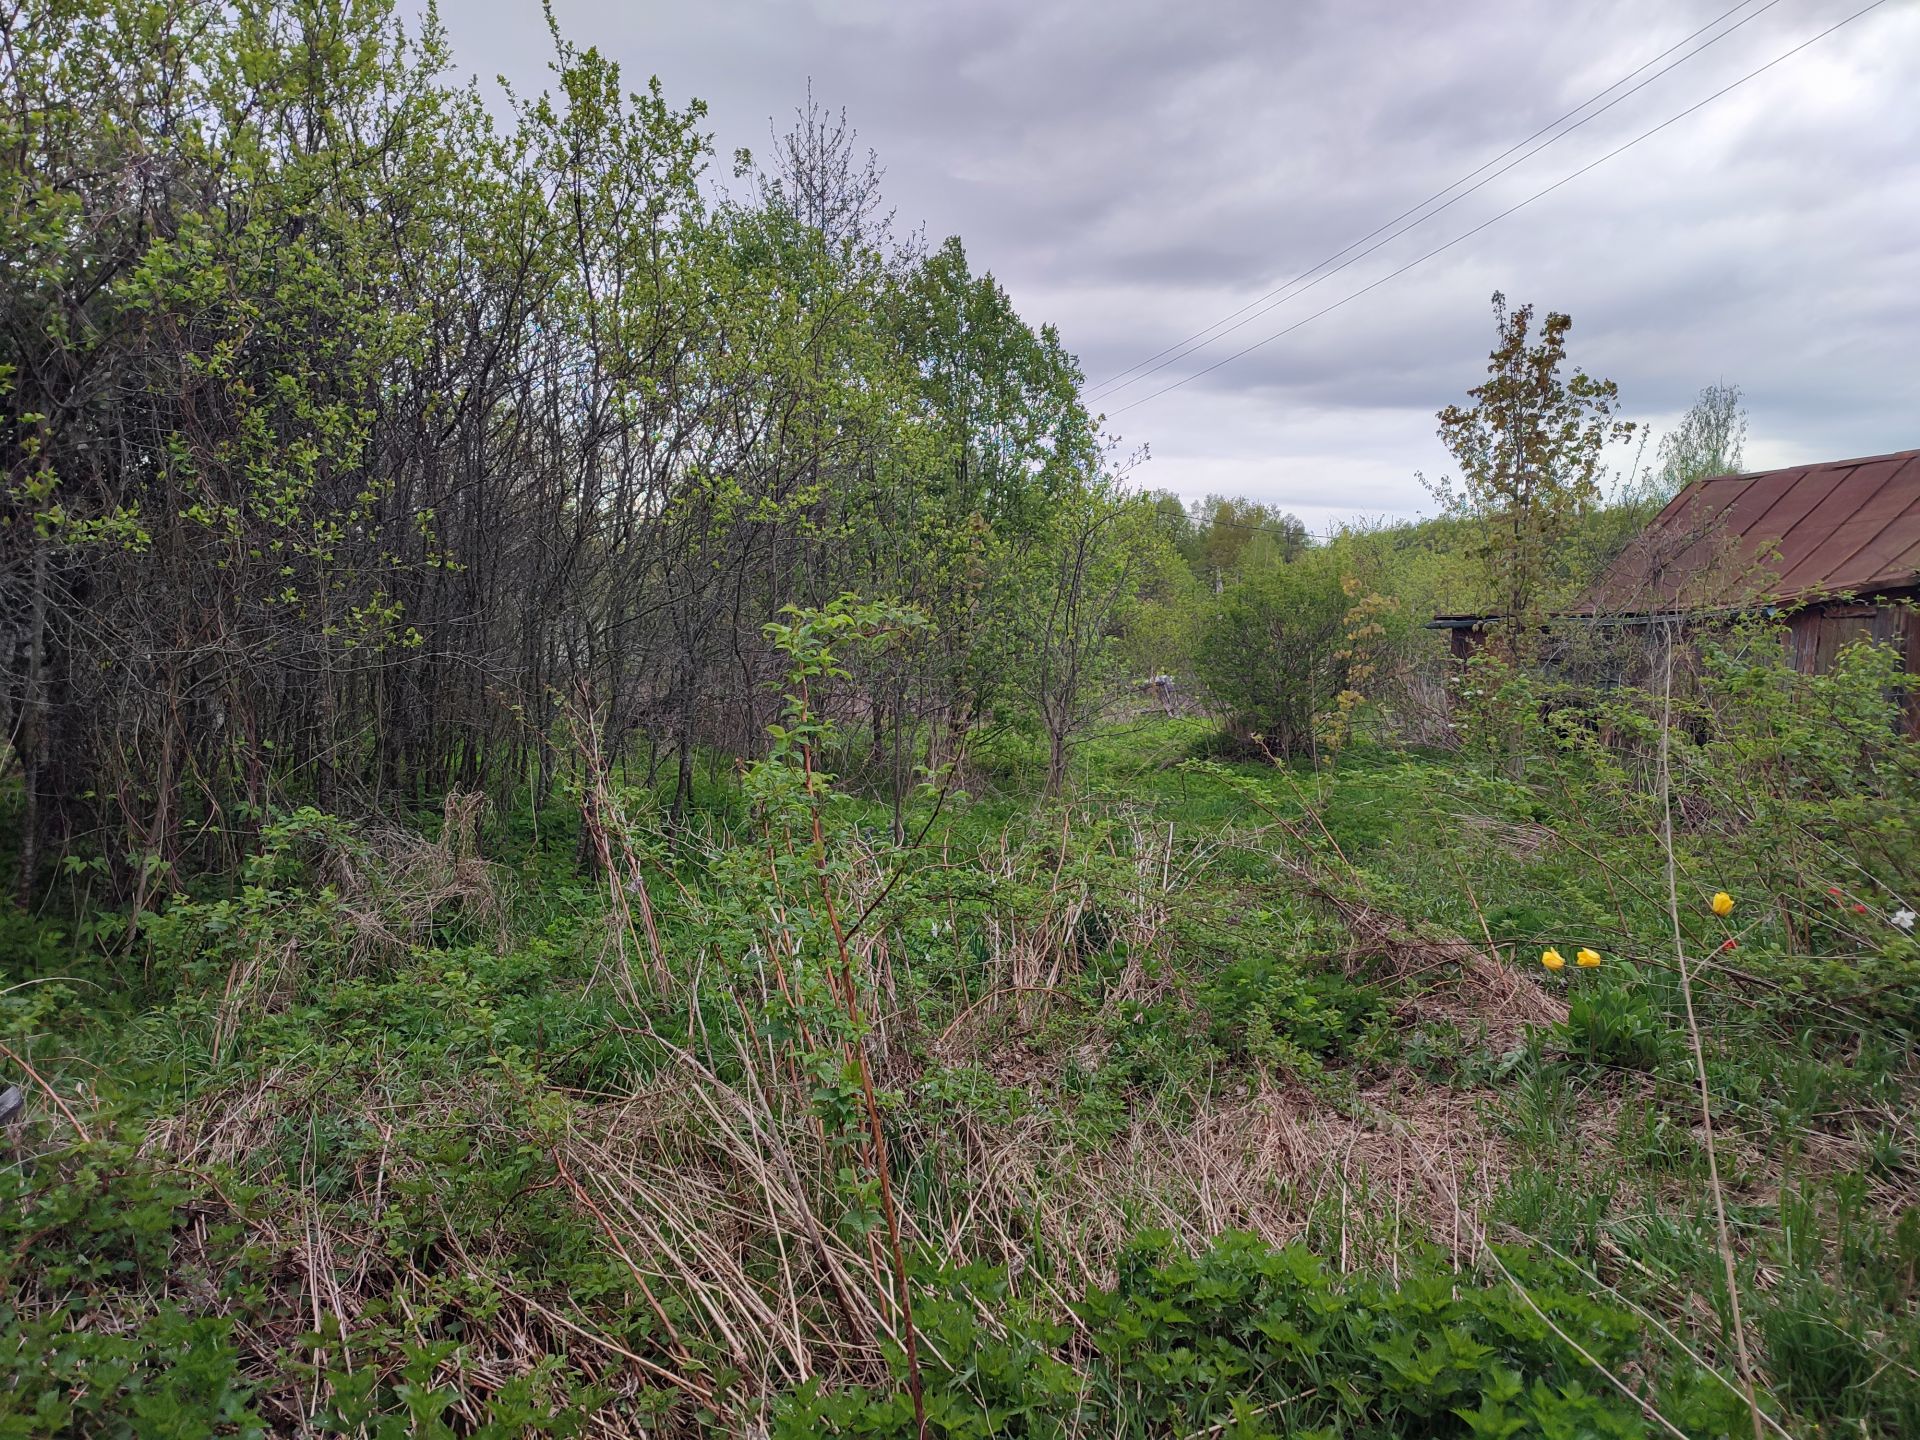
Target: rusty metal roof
{"x":1843,"y":526}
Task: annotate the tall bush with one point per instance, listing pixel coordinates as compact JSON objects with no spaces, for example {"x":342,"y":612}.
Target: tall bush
{"x":1269,"y":654}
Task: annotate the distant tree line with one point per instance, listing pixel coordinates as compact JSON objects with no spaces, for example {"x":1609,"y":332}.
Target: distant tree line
{"x":1291,"y":642}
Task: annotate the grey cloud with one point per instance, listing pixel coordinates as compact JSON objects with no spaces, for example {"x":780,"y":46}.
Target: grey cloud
{"x":1136,"y":169}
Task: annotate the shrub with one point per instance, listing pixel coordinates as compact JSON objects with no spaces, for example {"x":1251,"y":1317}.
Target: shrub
{"x":1268,"y":658}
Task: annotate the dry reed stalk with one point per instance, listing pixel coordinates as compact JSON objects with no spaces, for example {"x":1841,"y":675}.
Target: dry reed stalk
{"x":613,"y":1238}
{"x":605,"y":823}
{"x":879,"y":1137}
{"x":698,"y":1171}
{"x":1724,"y":1240}
{"x":51,"y":1093}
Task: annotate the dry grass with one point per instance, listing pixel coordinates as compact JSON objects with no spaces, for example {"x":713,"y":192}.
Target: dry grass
{"x":393,"y":890}
{"x":1409,"y":1160}
{"x":1520,"y":840}
{"x":720,"y":1200}
{"x":1438,"y":976}
{"x":717,"y":1193}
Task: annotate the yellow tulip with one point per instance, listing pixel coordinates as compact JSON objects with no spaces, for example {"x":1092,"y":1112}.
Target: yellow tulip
{"x":1587,"y":959}
{"x":1722,"y":904}
{"x":1552,"y":959}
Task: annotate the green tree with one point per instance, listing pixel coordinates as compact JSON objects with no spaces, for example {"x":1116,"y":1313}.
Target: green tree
{"x":1529,"y":449}
{"x":1231,"y":531}
{"x":1084,"y":586}
{"x":351,"y":434}
{"x":1710,"y":439}
{"x":999,"y":441}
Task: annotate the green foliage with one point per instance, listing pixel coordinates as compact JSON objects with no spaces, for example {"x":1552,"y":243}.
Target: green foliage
{"x":1265,"y":1008}
{"x":1529,"y":452}
{"x":1247,"y":1340}
{"x":1269,"y":656}
{"x":331,"y":972}
{"x":1221,"y":536}
{"x":366,"y":450}
{"x":1839,"y":1329}
{"x":1649,"y":1136}
{"x":1614,"y":1024}
{"x":376,"y":391}
{"x":175,"y":1376}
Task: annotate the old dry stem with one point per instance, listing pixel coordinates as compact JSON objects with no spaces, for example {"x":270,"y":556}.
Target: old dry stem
{"x":882,"y":1171}
{"x":1738,"y":1326}
{"x":605,"y":825}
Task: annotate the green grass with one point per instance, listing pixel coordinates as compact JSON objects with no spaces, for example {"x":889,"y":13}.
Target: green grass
{"x":1078,"y":1009}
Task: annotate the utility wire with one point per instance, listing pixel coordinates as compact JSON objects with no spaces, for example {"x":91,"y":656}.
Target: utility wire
{"x":1520,"y":205}
{"x":1186,"y":347}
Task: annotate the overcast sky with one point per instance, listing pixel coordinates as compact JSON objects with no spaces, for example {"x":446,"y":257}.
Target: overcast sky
{"x":1134,"y":170}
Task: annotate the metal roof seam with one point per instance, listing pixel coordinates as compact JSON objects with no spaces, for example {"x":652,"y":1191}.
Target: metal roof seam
{"x":1840,"y":563}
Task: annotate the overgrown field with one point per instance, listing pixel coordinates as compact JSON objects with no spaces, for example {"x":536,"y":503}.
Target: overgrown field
{"x":1218,"y":1099}
{"x":495,"y":947}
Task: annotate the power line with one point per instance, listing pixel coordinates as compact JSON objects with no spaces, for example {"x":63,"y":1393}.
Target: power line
{"x":1107,"y":383}
{"x":1186,"y":347}
{"x":1521,"y":205}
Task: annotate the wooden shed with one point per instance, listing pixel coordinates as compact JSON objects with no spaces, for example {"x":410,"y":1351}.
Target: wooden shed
{"x":1834,"y":547}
